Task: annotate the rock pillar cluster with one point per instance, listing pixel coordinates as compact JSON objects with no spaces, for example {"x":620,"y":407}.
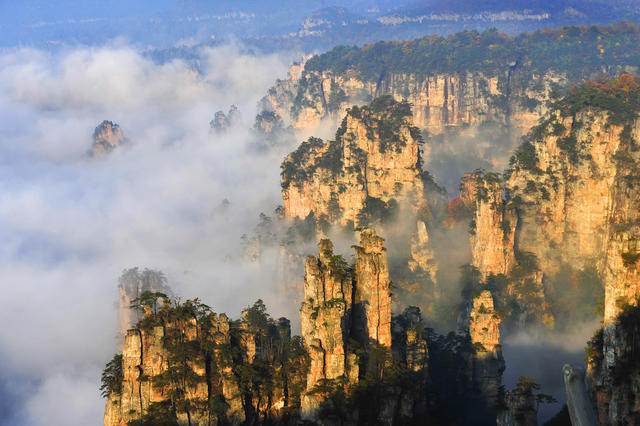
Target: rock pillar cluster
{"x":343,"y":303}
{"x":146,"y":363}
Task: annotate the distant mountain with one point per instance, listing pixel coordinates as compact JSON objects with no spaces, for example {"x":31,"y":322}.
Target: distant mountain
{"x":302,"y":26}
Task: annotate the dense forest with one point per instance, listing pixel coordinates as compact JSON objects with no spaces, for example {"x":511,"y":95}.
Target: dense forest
{"x":575,"y":50}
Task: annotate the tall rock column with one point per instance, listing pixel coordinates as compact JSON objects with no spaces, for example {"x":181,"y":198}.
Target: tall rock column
{"x":372,"y":295}
{"x":492,"y":242}
{"x":488,"y":363}
{"x":325,"y":322}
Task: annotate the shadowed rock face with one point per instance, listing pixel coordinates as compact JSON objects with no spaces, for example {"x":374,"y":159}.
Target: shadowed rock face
{"x":580,"y":407}
{"x":521,"y":409}
{"x":106,"y":137}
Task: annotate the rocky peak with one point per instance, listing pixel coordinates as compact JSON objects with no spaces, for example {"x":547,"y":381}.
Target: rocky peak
{"x":488,"y":362}
{"x":222,"y":122}
{"x":343,"y":303}
{"x":106,"y":137}
{"x":468,"y":189}
{"x":373,"y":295}
{"x":374,"y":159}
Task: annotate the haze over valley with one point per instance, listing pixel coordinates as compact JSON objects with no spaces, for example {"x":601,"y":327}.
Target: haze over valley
{"x":234,"y":213}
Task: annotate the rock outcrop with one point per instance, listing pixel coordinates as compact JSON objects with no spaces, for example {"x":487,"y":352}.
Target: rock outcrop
{"x":184,"y":363}
{"x":457,"y":82}
{"x":575,"y":188}
{"x":374,"y":159}
{"x":568,"y":202}
{"x":494,"y":252}
{"x":422,"y":254}
{"x":579,"y":405}
{"x":564,"y":184}
{"x":520,"y":409}
{"x":440,"y":101}
{"x":106,"y":137}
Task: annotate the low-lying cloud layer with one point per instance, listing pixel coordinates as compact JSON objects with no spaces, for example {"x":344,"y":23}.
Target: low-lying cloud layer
{"x":70,"y":224}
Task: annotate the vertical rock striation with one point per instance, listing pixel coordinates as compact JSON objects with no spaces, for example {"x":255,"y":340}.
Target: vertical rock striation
{"x":372,"y":294}
{"x":150,"y":373}
{"x":326,"y":316}
{"x":422,"y":255}
{"x":493,"y":238}
{"x":488,"y":363}
{"x":441,"y":101}
{"x":343,"y":304}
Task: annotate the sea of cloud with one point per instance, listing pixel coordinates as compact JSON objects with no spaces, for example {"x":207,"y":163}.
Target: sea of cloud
{"x":70,"y":224}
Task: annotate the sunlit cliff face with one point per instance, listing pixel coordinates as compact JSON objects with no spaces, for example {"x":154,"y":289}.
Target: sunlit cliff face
{"x":70,"y":224}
